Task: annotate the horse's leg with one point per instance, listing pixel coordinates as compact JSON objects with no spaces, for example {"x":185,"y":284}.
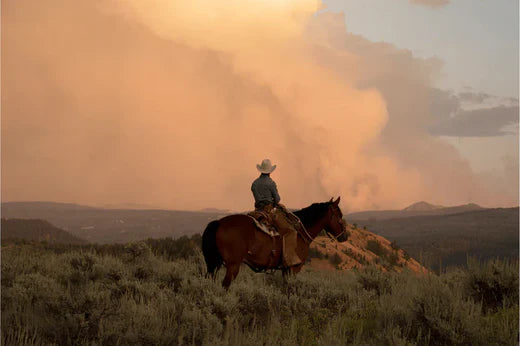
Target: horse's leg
{"x":231,"y":274}
{"x":285,"y":274}
{"x":296,"y":269}
{"x":234,"y":243}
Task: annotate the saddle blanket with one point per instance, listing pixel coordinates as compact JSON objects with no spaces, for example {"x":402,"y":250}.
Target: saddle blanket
{"x":264,"y":228}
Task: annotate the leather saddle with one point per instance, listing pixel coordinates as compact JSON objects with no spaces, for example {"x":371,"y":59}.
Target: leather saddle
{"x":264,"y":222}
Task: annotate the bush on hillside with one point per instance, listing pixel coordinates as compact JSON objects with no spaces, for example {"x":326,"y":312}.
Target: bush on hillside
{"x":335,"y":259}
{"x":315,"y":253}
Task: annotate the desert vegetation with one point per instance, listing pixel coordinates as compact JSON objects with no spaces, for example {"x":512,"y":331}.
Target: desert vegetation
{"x":155,"y":292}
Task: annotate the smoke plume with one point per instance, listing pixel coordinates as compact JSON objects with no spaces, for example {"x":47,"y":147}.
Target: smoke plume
{"x":173,"y":103}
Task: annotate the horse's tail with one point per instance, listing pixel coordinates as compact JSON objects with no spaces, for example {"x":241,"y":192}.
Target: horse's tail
{"x":209,"y":248}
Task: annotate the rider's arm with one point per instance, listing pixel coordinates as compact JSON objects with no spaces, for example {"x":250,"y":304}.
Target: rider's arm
{"x":255,"y":192}
{"x":274,"y":192}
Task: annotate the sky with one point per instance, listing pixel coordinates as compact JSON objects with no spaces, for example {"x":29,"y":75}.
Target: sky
{"x":171,"y":104}
{"x":483,"y":34}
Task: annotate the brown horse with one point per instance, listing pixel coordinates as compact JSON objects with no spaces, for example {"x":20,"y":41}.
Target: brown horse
{"x":235,"y":239}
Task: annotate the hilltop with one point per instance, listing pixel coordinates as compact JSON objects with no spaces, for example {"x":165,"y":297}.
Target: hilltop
{"x":422,"y":206}
{"x":361,"y":249}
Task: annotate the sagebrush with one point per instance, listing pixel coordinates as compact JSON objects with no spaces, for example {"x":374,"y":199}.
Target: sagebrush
{"x":143,"y":293}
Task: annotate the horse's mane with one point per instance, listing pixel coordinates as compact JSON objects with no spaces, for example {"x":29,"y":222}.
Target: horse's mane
{"x":312,"y":213}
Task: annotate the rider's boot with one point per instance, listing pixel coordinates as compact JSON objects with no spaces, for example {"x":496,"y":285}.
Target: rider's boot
{"x":290,"y":256}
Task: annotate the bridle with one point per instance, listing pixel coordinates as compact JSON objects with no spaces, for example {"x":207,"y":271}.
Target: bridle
{"x":342,"y":223}
{"x":333,"y":237}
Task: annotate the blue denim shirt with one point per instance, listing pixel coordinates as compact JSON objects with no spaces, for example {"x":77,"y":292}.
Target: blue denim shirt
{"x":265,"y":191}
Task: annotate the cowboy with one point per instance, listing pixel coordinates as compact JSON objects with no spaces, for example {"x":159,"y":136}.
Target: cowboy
{"x":267,"y":200}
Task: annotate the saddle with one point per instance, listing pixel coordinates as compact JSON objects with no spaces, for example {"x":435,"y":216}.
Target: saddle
{"x":263,"y":221}
{"x":279,"y":223}
{"x":275,"y":222}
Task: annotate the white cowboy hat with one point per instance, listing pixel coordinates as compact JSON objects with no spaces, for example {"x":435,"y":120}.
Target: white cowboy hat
{"x":266,"y":167}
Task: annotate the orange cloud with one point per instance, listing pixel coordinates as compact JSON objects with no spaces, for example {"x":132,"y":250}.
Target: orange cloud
{"x":173,"y":104}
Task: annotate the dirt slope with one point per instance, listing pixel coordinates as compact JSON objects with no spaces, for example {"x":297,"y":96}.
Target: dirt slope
{"x":361,"y":249}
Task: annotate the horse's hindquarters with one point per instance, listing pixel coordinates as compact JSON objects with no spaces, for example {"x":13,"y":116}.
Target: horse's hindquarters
{"x":239,"y":239}
{"x":234,"y":237}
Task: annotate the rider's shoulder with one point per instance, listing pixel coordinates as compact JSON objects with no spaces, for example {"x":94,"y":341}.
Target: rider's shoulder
{"x":264,"y":180}
{"x":270,"y":182}
{"x":257,"y":181}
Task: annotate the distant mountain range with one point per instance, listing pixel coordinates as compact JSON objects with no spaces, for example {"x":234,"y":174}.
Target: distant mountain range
{"x":42,"y":206}
{"x":98,"y":225}
{"x":361,"y":249}
{"x":447,"y":239}
{"x":434,"y":235}
{"x":416,"y":209}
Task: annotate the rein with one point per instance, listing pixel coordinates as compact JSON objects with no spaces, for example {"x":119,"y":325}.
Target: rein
{"x":307,"y":238}
{"x":335,"y":237}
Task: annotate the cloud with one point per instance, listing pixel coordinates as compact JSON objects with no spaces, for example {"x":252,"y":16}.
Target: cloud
{"x":405,"y":83}
{"x":431,"y":3}
{"x":469,"y":114}
{"x":173,"y":104}
{"x":484,"y":122}
{"x":472,"y":97}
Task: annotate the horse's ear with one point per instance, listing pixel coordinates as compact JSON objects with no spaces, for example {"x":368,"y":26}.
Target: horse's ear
{"x":331,"y":199}
{"x":336,"y":202}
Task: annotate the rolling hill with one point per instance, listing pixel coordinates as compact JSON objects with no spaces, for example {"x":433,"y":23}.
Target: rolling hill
{"x":445,"y":236}
{"x":99,"y":225}
{"x":446,"y":240}
{"x":36,"y":230}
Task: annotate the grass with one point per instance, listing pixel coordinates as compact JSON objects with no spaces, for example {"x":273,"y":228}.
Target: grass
{"x":141,"y":293}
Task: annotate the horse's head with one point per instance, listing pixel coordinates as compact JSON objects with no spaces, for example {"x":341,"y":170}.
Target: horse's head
{"x":336,"y":226}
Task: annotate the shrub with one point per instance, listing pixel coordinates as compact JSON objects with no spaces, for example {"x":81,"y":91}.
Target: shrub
{"x":387,"y":258}
{"x":127,"y":294}
{"x":134,"y":252}
{"x":374,"y":279}
{"x":173,"y":249}
{"x":376,"y":247}
{"x":494,"y":283}
{"x":444,"y":316}
{"x":392,"y":258}
{"x":350,"y":253}
{"x":315,"y":253}
{"x":335,"y":259}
